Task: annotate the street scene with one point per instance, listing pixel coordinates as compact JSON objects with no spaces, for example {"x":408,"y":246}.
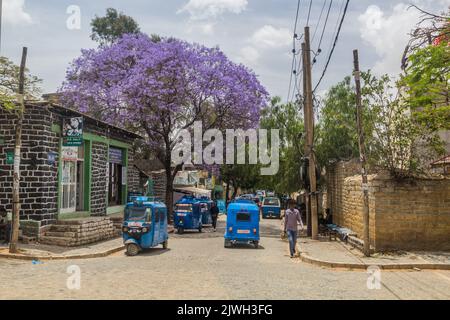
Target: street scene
{"x":225,"y":150}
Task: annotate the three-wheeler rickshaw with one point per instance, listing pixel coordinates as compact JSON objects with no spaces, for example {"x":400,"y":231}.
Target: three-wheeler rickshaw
{"x":205,"y":208}
{"x":242,"y":223}
{"x":188,"y":215}
{"x":144,"y":225}
{"x":271,"y":207}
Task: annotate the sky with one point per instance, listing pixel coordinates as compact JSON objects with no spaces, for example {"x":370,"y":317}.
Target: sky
{"x":257,"y":33}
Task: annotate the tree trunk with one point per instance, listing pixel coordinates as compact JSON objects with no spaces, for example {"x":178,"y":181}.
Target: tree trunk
{"x":169,"y":194}
{"x":227,"y":192}
{"x":17,"y":151}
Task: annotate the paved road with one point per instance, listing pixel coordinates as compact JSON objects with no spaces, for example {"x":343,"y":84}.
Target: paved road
{"x":199,"y":267}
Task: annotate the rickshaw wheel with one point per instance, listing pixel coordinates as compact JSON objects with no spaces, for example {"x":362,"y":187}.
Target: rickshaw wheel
{"x":227,"y":244}
{"x":200,"y":229}
{"x":256,"y":244}
{"x":132,"y":249}
{"x":165,"y":244}
{"x":180,"y":230}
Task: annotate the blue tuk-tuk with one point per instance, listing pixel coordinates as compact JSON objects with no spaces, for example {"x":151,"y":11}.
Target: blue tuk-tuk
{"x":188,"y":215}
{"x":271,"y":207}
{"x":144,"y":225}
{"x":242,"y":223}
{"x":205,"y":208}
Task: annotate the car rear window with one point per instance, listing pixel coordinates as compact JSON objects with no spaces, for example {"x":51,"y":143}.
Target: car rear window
{"x":271,"y":202}
{"x":243,"y":217}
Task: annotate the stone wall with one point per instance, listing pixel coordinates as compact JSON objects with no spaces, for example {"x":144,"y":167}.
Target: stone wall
{"x":408,"y":215}
{"x":99,"y":179}
{"x":72,"y":233}
{"x":159,"y":184}
{"x":133,"y":174}
{"x":39,"y":180}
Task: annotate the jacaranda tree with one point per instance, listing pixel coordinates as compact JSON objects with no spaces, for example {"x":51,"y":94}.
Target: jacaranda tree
{"x":158,"y":88}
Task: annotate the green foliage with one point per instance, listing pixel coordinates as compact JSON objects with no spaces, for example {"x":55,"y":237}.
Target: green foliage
{"x":107,"y":29}
{"x":9,"y":84}
{"x":289,"y":120}
{"x":427,"y":85}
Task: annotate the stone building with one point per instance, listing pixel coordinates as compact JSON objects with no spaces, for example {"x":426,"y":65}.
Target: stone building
{"x":409,"y":215}
{"x":60,"y":181}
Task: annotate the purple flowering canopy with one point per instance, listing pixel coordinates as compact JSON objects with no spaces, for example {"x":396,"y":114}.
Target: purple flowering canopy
{"x":157,"y":88}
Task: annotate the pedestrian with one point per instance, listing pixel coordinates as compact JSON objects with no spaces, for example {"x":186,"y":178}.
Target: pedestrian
{"x":291,"y":220}
{"x":6,"y":221}
{"x":214,"y":215}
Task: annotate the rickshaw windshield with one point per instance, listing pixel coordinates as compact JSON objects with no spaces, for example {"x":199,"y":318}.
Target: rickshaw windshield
{"x":272,"y":202}
{"x":138,"y":214}
{"x":183,"y":207}
{"x":243,"y":217}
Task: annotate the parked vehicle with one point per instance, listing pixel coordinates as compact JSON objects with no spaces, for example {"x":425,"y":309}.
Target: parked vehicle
{"x":242,"y":223}
{"x":144,"y":225}
{"x":271,"y":207}
{"x":205,"y":208}
{"x":188,"y":215}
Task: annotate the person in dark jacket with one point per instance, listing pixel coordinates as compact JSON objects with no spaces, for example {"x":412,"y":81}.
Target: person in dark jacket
{"x":214,"y":215}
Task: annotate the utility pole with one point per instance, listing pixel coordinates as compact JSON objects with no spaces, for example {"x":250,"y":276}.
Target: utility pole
{"x":306,"y":116}
{"x":1,"y":20}
{"x":17,"y":152}
{"x":309,"y":126}
{"x":362,"y":154}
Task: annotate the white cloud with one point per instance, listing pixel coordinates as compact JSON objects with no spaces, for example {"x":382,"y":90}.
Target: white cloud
{"x":249,"y":55}
{"x":388,"y":32}
{"x":14,"y":12}
{"x":271,"y":37}
{"x":207,"y":9}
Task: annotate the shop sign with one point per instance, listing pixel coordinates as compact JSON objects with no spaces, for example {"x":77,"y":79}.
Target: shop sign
{"x":115,"y":156}
{"x":69,"y":153}
{"x":51,"y":158}
{"x":72,"y":132}
{"x":10,"y":157}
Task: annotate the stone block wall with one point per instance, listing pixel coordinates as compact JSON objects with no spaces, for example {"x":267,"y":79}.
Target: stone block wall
{"x":39,"y":180}
{"x":407,"y":215}
{"x":133,"y":174}
{"x":99,"y":179}
{"x":160,"y":184}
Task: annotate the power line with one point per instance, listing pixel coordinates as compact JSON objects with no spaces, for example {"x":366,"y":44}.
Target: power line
{"x":320,"y":19}
{"x":334,"y":46}
{"x":294,"y":49}
{"x":325,"y":26}
{"x":309,"y":12}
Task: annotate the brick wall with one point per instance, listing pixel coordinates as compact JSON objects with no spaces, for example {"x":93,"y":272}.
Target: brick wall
{"x":99,"y":179}
{"x":133,"y":174}
{"x":159,"y":184}
{"x":412,"y":215}
{"x":38,"y":186}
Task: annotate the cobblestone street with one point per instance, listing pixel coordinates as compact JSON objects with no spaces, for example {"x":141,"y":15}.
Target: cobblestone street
{"x":199,"y":267}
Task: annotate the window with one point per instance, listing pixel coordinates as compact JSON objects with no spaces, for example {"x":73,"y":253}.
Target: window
{"x":183,"y":208}
{"x":243,"y":217}
{"x":138,"y":214}
{"x":272,"y":202}
{"x":157,"y":215}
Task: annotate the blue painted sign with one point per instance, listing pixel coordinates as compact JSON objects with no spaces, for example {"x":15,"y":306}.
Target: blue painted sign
{"x":115,"y":156}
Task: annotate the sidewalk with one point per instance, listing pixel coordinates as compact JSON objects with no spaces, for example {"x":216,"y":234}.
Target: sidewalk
{"x":336,"y":254}
{"x":46,"y":252}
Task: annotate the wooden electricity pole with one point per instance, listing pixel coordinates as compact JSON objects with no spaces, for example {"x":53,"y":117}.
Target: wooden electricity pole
{"x":309,"y":127}
{"x":17,"y":152}
{"x":362,"y":154}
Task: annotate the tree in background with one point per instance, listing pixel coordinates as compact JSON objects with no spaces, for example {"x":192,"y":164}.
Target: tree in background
{"x":108,"y":29}
{"x":9,"y":84}
{"x":289,"y":120}
{"x":161,"y":88}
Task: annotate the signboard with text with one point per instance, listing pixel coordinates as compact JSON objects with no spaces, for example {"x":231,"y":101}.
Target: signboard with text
{"x":72,"y":132}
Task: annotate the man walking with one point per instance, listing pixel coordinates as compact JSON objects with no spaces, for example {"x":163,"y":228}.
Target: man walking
{"x":291,"y":220}
{"x":214,"y":215}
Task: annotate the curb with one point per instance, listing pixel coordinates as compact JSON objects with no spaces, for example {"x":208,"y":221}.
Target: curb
{"x":364,"y":266}
{"x":62,"y":257}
